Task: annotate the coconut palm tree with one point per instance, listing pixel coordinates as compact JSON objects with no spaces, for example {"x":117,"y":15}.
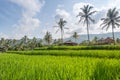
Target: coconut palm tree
{"x":2,"y":42}
{"x":25,"y":39}
{"x":48,"y":38}
{"x":75,"y":36}
{"x":112,"y":19}
{"x":61,"y":26}
{"x":33,"y":43}
{"x":85,"y":16}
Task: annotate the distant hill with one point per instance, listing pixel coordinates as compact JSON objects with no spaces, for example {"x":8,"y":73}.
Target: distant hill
{"x":84,"y":37}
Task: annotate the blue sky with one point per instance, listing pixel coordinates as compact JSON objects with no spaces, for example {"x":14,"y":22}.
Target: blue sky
{"x":35,"y":17}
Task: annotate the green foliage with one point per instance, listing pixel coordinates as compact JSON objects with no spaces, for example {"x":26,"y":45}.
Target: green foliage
{"x":106,"y":47}
{"x":78,"y":53}
{"x":112,"y":19}
{"x":61,"y":26}
{"x":85,"y":17}
{"x":48,"y":38}
{"x":75,"y":36}
{"x":22,"y":67}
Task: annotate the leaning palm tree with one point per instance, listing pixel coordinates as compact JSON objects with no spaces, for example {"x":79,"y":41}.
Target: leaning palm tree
{"x":48,"y":38}
{"x":75,"y":36}
{"x":112,"y":19}
{"x":61,"y":26}
{"x":85,"y":16}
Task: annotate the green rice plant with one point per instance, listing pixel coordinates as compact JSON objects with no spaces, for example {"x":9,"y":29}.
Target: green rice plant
{"x":99,"y":47}
{"x":27,"y":67}
{"x":74,"y":53}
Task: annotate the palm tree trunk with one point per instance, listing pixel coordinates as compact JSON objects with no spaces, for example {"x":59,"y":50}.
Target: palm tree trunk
{"x":88,"y":33}
{"x":113,"y":33}
{"x":61,"y":36}
{"x":48,"y":43}
{"x":75,"y":40}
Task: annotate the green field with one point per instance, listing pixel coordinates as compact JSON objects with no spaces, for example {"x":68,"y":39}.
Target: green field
{"x":60,"y":65}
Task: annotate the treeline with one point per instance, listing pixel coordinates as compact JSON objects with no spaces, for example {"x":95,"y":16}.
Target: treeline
{"x":22,"y":44}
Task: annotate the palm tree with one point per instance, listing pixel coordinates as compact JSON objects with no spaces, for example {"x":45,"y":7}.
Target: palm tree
{"x":2,"y":42}
{"x":25,"y":39}
{"x":112,"y":19}
{"x":61,"y":26}
{"x":85,"y":16}
{"x":48,"y":38}
{"x":34,"y":42}
{"x":75,"y":36}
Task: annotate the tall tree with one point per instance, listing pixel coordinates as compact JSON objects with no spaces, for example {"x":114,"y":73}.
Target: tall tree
{"x":33,"y":43}
{"x":2,"y":42}
{"x":75,"y":36}
{"x":112,"y":19}
{"x":85,"y":16}
{"x":95,"y":40}
{"x":25,"y":39}
{"x":48,"y":38}
{"x":61,"y":26}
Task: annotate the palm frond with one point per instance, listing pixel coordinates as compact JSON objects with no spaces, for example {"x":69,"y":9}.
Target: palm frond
{"x":117,"y":24}
{"x":92,"y":20}
{"x":116,"y":14}
{"x":64,"y":21}
{"x":84,"y":22}
{"x":66,"y":28}
{"x":57,"y":31}
{"x":107,"y":27}
{"x":81,"y":18}
{"x":118,"y":17}
{"x":109,"y":13}
{"x":92,"y":12}
{"x":55,"y":26}
{"x":90,"y":8}
{"x":117,"y":20}
{"x":113,"y":10}
{"x":80,"y":14}
{"x":83,"y":10}
{"x":103,"y":25}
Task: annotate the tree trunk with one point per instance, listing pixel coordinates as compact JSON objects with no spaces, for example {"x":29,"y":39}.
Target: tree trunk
{"x":113,"y":33}
{"x":88,"y":33}
{"x":61,"y":36}
{"x":48,"y":42}
{"x":75,"y":40}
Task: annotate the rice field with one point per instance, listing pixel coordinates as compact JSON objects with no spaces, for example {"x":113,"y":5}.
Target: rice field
{"x":73,"y":53}
{"x":60,"y":65}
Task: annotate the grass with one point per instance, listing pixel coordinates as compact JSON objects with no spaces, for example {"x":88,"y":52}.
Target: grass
{"x":77,"y":53}
{"x":62,"y":63}
{"x":25,"y":67}
{"x":97,"y":47}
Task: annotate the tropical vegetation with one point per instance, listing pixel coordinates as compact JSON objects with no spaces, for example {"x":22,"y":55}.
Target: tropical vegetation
{"x":45,"y":59}
{"x":61,"y":26}
{"x":85,"y":16}
{"x":112,"y":19}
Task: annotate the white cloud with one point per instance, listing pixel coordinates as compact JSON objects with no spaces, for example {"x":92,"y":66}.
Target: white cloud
{"x":61,"y":13}
{"x":80,"y":28}
{"x":114,"y":3}
{"x":101,"y":12}
{"x":77,"y":6}
{"x":28,"y":23}
{"x":2,"y":35}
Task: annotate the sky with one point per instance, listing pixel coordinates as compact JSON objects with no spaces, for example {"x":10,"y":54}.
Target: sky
{"x":35,"y":17}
